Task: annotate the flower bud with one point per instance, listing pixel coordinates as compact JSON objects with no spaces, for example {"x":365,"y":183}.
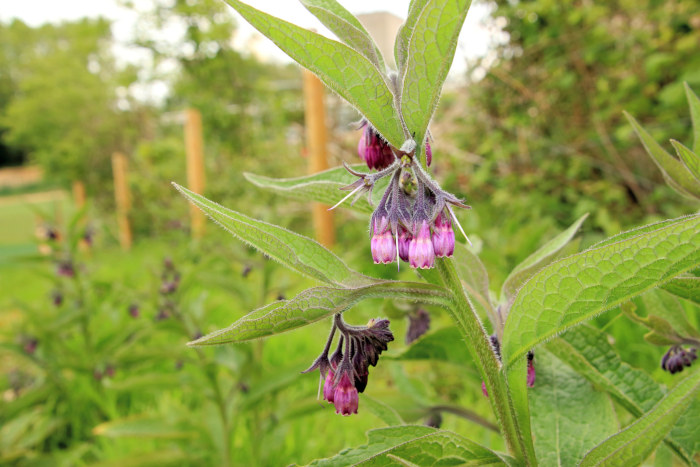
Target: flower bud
{"x":428,"y":153}
{"x":404,"y":243}
{"x":443,"y":237}
{"x":328,"y":390}
{"x":420,"y":251}
{"x":530,"y":369}
{"x":373,"y":149}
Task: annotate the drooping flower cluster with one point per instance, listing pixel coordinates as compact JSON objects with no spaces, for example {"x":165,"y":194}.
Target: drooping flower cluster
{"x":677,"y":358}
{"x":418,"y":324}
{"x":346,"y":372}
{"x":413,"y":221}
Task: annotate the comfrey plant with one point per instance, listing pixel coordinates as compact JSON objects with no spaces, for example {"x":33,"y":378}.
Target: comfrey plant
{"x":545,"y":299}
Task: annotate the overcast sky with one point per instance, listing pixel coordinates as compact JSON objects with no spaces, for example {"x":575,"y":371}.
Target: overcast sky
{"x":473,"y":42}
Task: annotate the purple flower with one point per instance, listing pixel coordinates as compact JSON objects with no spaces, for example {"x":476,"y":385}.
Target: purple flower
{"x":65,"y":269}
{"x":420,"y":251}
{"x":57,"y":297}
{"x":373,"y":149}
{"x":443,"y":237}
{"x":382,"y":244}
{"x":134,"y":310}
{"x":345,"y":397}
{"x":405,"y":238}
{"x":328,"y":389}
{"x":428,"y":153}
{"x":530,"y":369}
{"x":418,"y":324}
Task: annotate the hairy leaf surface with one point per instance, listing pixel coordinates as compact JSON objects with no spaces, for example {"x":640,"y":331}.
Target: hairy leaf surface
{"x":314,"y":304}
{"x":540,"y":258}
{"x":568,"y":416}
{"x":637,"y":441}
{"x":419,"y":445}
{"x":574,"y":289}
{"x":344,"y":70}
{"x":431,"y":49}
{"x":295,"y":251}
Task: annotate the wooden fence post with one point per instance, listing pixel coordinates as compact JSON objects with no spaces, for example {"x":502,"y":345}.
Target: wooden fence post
{"x":122,"y":198}
{"x":316,"y":143}
{"x":79,"y":194}
{"x":194,"y":148}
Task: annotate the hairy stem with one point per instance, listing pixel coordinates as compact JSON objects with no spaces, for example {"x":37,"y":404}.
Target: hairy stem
{"x":480,"y":348}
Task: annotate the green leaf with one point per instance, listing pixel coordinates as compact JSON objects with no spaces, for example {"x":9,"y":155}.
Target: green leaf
{"x":689,"y":159}
{"x":686,"y":433}
{"x":474,"y":278}
{"x":295,"y":251}
{"x":568,"y":416}
{"x":314,"y":304}
{"x":694,"y":104}
{"x":443,"y":345}
{"x":667,"y":307}
{"x":543,"y":256}
{"x":323,"y":187}
{"x":347,"y":28}
{"x":403,"y":36}
{"x":345,"y":71}
{"x":575,"y":289}
{"x":588,"y":352}
{"x":634,"y":232}
{"x":431,"y":49}
{"x":687,"y":287}
{"x":633,"y":445}
{"x":382,"y":411}
{"x":673,"y":170}
{"x":418,"y":445}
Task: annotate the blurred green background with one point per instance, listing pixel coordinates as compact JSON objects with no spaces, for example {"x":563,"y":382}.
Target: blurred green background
{"x":94,"y":370}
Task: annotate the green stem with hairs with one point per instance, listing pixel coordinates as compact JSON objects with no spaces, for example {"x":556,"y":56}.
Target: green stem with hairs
{"x":479,"y":346}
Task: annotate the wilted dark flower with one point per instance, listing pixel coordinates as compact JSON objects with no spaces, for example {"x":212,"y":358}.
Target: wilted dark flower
{"x":418,"y":324}
{"x":434,"y":420}
{"x":57,"y":298}
{"x":30,"y":345}
{"x":346,"y":373}
{"x":677,"y":358}
{"x":65,"y":269}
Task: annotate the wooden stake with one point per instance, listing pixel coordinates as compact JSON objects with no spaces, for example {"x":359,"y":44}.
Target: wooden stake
{"x":194,"y":148}
{"x":79,"y":194}
{"x":316,"y":142}
{"x":122,"y":198}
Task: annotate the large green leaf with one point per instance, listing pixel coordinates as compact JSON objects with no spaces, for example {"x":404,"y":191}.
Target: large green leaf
{"x":345,"y":71}
{"x":382,"y":411}
{"x":694,"y":104}
{"x":673,"y":170}
{"x":323,"y":187}
{"x":540,"y":258}
{"x":687,"y":287}
{"x":295,"y":251}
{"x":317,"y":303}
{"x":575,"y":289}
{"x":403,"y":36}
{"x":347,"y":28}
{"x":413,"y":445}
{"x":588,"y":352}
{"x":634,"y":444}
{"x":568,"y":416}
{"x":431,"y":49}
